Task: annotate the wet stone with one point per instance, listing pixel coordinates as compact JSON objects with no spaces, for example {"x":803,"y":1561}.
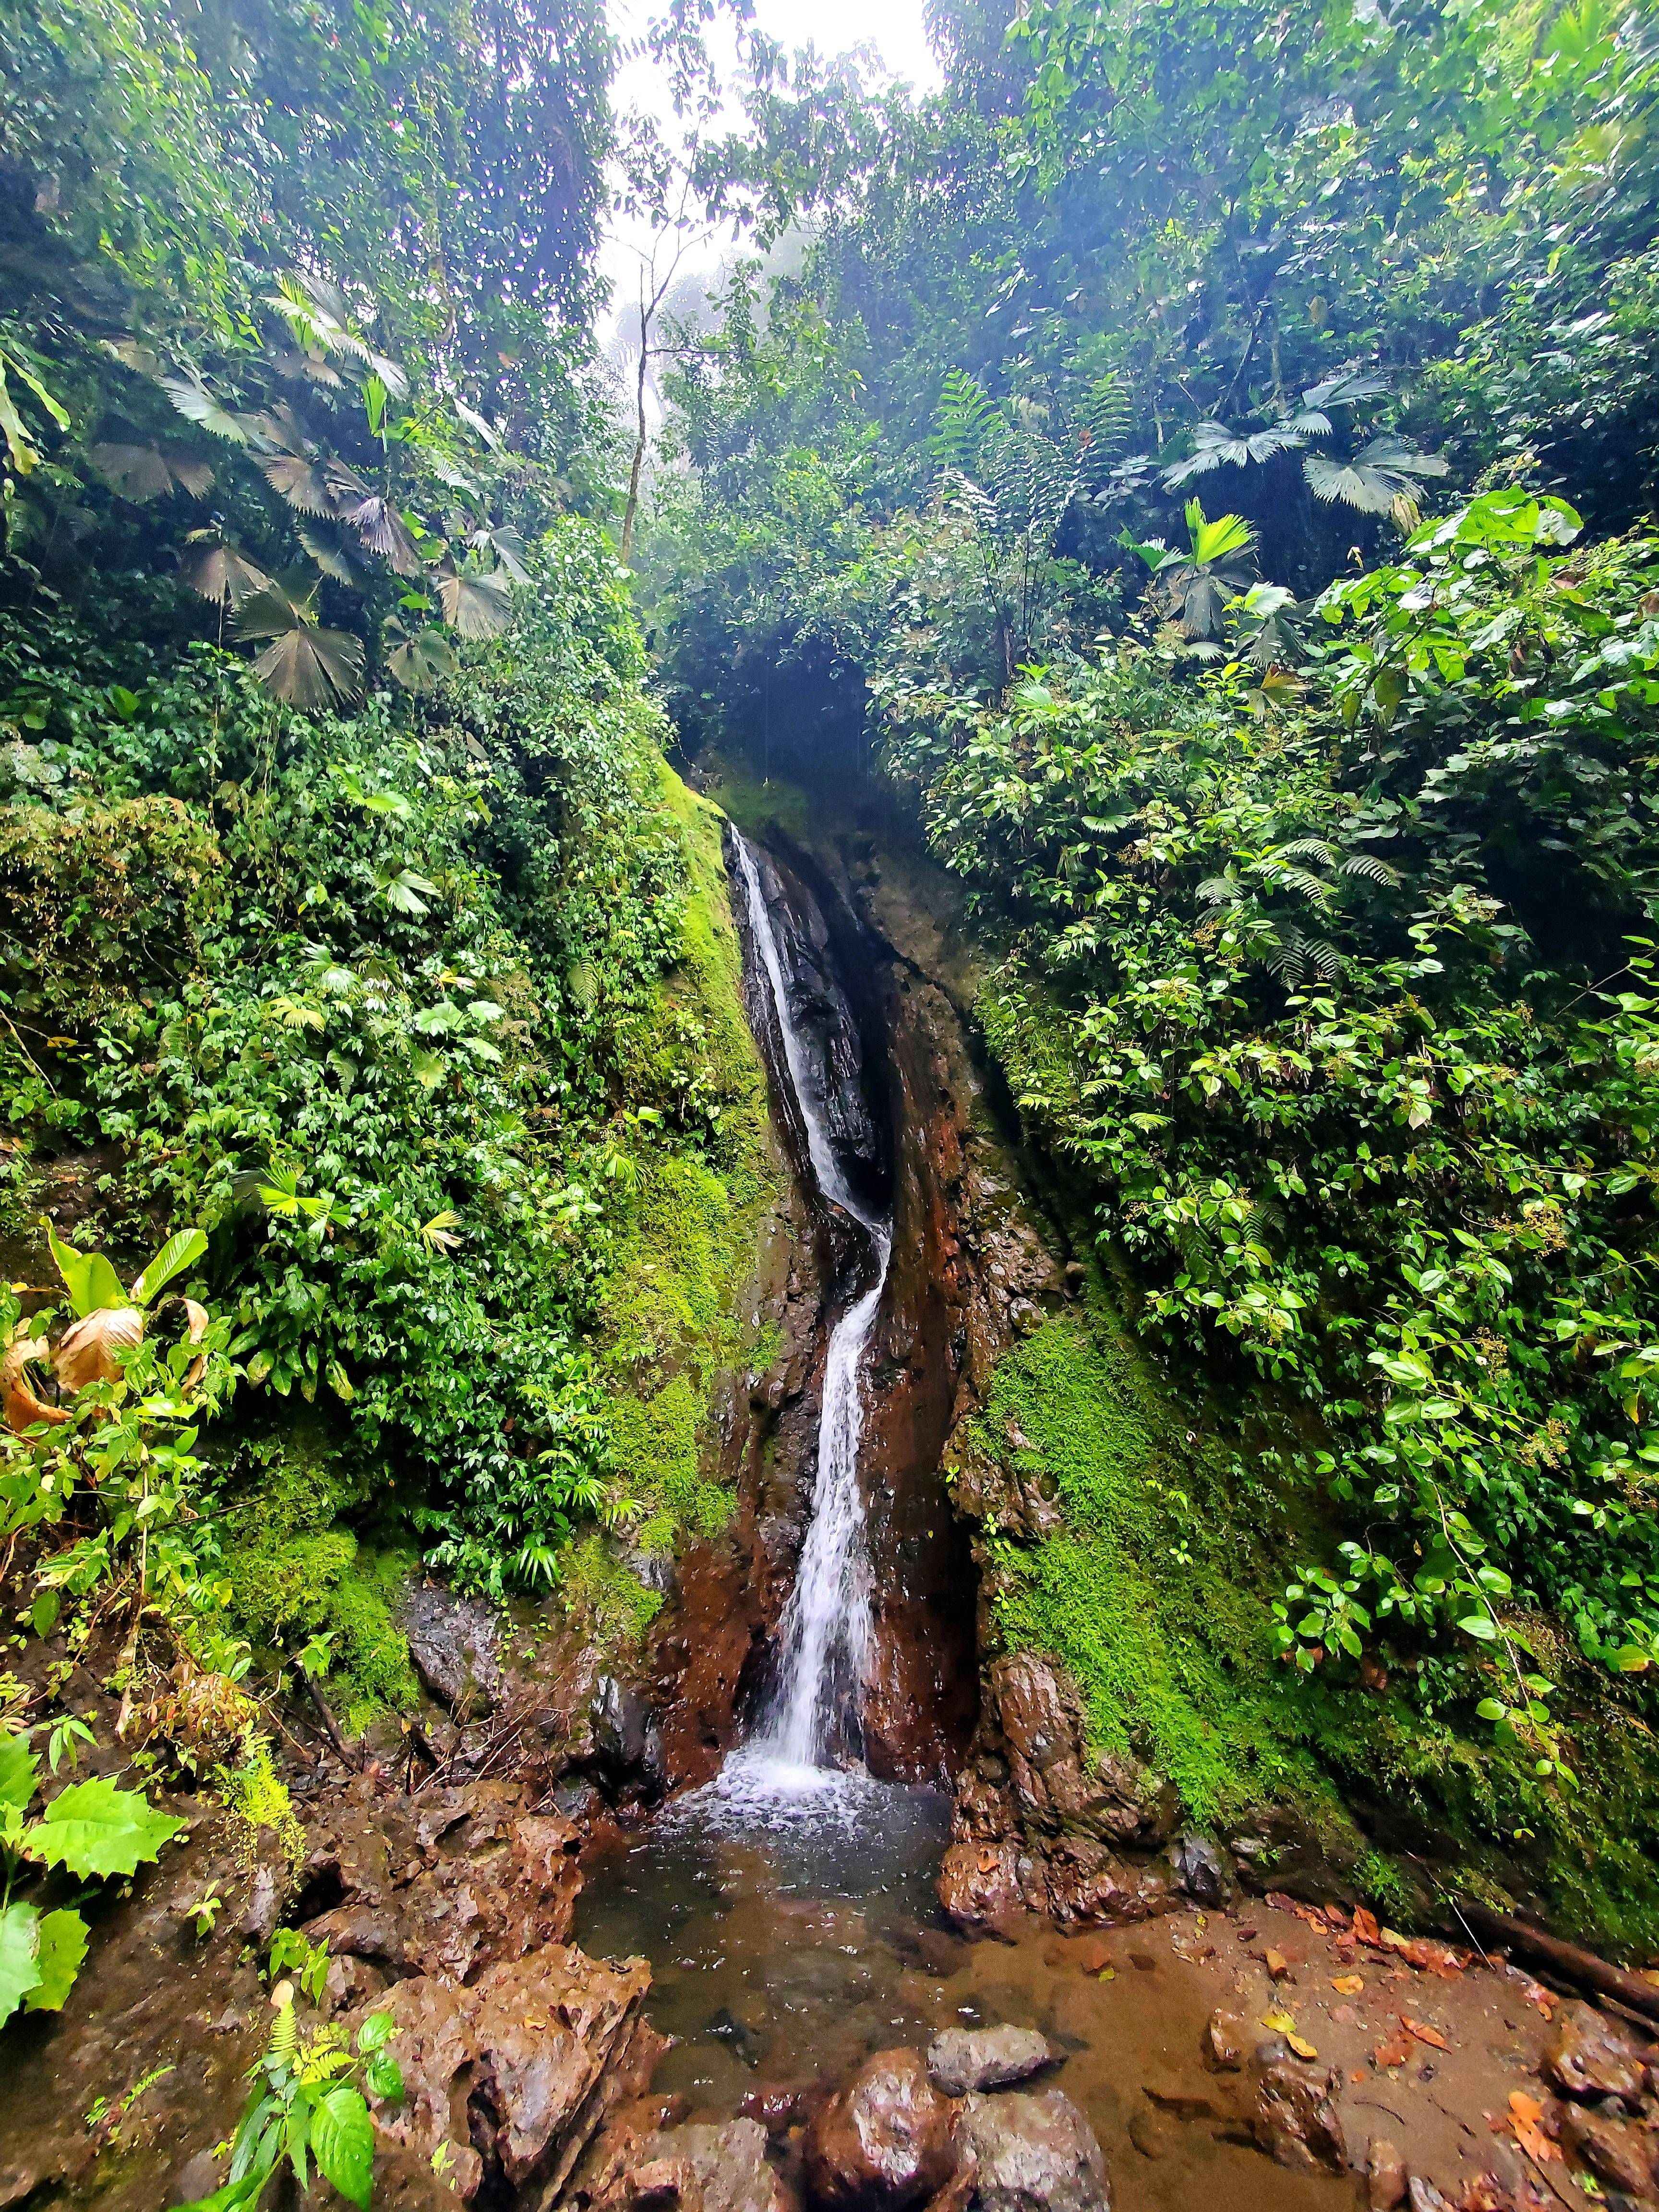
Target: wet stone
{"x":1616,"y":2152}
{"x":1590,"y":2055}
{"x":452,"y":1645}
{"x":1385,"y":2176}
{"x":1034,"y":2153}
{"x":886,"y":2141}
{"x":963,"y":2058}
{"x":1293,"y":2119}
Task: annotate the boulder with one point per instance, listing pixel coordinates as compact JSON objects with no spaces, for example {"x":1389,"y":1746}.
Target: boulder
{"x":963,"y":2058}
{"x":627,"y":1741}
{"x":1198,"y":1871}
{"x":709,"y":2169}
{"x":1059,"y":1782}
{"x":452,"y":1645}
{"x":513,"y":1893}
{"x":516,"y":2074}
{"x":1085,"y":1883}
{"x":1590,"y":2055}
{"x":979,"y":1886}
{"x":1614,"y":2151}
{"x":1033,"y":2152}
{"x":886,"y":2141}
{"x":1293,"y":2119}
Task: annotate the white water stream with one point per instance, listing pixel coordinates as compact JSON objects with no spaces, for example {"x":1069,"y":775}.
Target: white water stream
{"x":825,"y":1636}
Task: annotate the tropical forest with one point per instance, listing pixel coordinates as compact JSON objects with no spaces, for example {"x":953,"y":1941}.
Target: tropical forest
{"x":829,"y":1105}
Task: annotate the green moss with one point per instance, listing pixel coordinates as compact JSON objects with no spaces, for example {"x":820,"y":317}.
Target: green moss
{"x":1156,"y":1596}
{"x":670,"y":1324}
{"x":297,"y":1571}
{"x":608,"y":1599}
{"x":1143,"y":1596}
{"x":756,"y":806}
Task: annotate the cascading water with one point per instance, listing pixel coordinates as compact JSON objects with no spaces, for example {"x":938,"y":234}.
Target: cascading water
{"x":825,"y":1635}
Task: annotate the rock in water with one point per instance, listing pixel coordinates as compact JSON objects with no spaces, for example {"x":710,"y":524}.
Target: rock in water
{"x":1294,"y":2120}
{"x":1034,"y":2152}
{"x":1385,"y":2176}
{"x":1223,"y":2041}
{"x":709,"y":2169}
{"x":886,"y":2141}
{"x":963,"y":2058}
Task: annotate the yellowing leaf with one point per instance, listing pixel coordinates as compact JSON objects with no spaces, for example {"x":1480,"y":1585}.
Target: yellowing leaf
{"x":1349,"y":1984}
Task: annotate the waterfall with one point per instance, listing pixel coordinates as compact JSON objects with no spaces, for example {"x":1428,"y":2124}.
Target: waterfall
{"x":824,"y":1637}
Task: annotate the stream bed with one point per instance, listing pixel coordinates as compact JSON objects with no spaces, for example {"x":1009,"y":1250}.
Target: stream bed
{"x":792,"y":1930}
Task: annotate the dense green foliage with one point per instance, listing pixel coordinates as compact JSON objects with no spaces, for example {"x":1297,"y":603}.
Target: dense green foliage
{"x":1314,"y":839}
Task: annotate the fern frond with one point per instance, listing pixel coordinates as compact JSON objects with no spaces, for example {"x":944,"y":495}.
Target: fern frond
{"x":1374,"y":870}
{"x":1307,"y":849}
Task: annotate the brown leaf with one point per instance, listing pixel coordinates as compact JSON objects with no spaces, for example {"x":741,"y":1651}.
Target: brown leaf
{"x":1277,"y":1966}
{"x":1394,"y":2053}
{"x":22,"y":1407}
{"x":1423,"y":2033}
{"x":1365,"y":1926}
{"x":86,"y":1350}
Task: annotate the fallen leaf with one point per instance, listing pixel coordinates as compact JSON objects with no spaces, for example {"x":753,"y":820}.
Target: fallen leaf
{"x":1301,"y":2046}
{"x":1523,"y":2108}
{"x":1358,"y":2074}
{"x":1543,"y":1999}
{"x":1423,"y":2033}
{"x":1281,"y":2022}
{"x":1365,"y":1926}
{"x":1393,"y":2053}
{"x":1349,"y":1984}
{"x":1108,"y":1974}
{"x":1277,"y":1965}
{"x":1344,"y":2015}
{"x":1536,"y":2143}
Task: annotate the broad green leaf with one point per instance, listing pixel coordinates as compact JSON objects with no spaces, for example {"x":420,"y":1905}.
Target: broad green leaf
{"x":342,"y":2140}
{"x":1480,"y":1625}
{"x":20,"y":1771}
{"x":20,"y":1961}
{"x":233,"y":2195}
{"x":93,"y":1284}
{"x":62,"y":1946}
{"x":375,"y":2033}
{"x":94,"y":1828}
{"x":1491,"y":1709}
{"x":384,"y":2078}
{"x":180,"y":1250}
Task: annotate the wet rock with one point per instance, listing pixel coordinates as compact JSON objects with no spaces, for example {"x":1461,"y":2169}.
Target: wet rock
{"x":886,"y":2141}
{"x":453,"y":1644}
{"x":515,"y":2074}
{"x":1150,"y":2133}
{"x":736,"y":2034}
{"x":777,"y":2110}
{"x":709,"y":2169}
{"x":627,"y":1743}
{"x":1591,"y":2056}
{"x":1280,"y":1851}
{"x":257,"y":1921}
{"x":1614,"y":2151}
{"x":963,"y":2058}
{"x":1385,"y":2176}
{"x":1294,"y":2120}
{"x":1424,"y":2197}
{"x":1081,"y":1881}
{"x":1198,"y":1871}
{"x":979,"y":1886}
{"x":513,"y":1891}
{"x":1223,"y":2041}
{"x":1034,"y":2152}
{"x":1058,"y":1781}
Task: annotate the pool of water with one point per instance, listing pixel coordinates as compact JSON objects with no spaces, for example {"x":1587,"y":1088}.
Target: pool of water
{"x":792,"y":1925}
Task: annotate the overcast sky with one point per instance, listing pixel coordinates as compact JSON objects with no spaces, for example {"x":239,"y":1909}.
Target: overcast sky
{"x":894,"y":27}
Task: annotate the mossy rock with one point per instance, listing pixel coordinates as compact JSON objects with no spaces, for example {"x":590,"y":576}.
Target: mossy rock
{"x":298,"y":1569}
